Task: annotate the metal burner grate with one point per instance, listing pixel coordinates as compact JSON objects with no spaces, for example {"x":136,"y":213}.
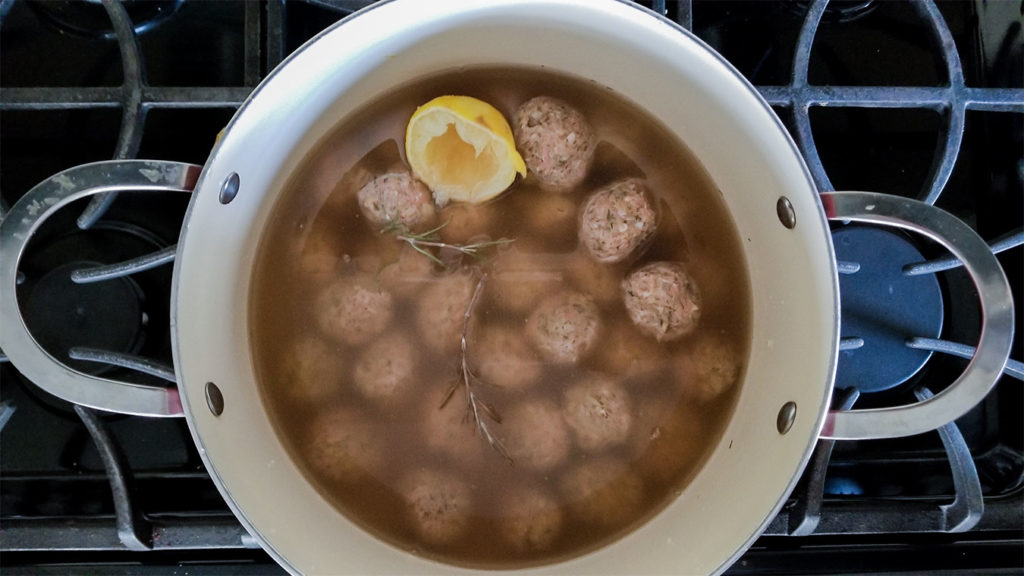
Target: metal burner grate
{"x":271,"y":30}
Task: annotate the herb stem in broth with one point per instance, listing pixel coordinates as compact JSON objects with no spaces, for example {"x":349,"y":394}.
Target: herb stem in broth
{"x":420,"y":241}
{"x":474,"y":405}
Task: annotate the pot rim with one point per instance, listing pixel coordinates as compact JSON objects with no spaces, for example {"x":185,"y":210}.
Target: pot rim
{"x":820,"y":413}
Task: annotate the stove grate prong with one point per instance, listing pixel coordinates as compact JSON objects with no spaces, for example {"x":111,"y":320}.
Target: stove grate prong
{"x":121,"y":360}
{"x":133,"y":529}
{"x":847,"y":267}
{"x":969,"y":503}
{"x":125,"y":268}
{"x":1014,"y":368}
{"x":1011,"y":240}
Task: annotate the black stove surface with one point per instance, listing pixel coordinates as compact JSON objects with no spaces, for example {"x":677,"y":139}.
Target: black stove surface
{"x":885,"y":110}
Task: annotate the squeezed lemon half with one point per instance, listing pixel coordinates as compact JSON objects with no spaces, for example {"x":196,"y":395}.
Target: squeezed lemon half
{"x":462,"y":148}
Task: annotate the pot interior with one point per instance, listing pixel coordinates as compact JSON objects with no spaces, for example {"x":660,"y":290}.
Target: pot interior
{"x":651,"y":62}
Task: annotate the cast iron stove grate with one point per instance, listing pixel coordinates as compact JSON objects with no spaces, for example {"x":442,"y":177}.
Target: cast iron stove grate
{"x":907,"y":98}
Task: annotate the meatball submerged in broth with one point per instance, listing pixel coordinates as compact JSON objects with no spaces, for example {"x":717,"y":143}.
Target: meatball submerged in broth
{"x":505,"y":384}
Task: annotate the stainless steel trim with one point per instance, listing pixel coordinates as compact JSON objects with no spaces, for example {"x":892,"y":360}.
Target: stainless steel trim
{"x":997,"y":327}
{"x":23,"y":220}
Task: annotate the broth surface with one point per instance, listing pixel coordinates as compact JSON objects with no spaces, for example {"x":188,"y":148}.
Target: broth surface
{"x":381,"y":447}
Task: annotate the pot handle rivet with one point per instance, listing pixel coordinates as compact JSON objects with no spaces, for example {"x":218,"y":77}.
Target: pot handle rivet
{"x":229,"y":189}
{"x":787,"y":215}
{"x":787,"y":414}
{"x":214,"y":399}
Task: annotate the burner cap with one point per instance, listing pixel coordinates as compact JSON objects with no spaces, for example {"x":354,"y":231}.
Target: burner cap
{"x":90,"y":19}
{"x":884,"y":307}
{"x":61,"y":314}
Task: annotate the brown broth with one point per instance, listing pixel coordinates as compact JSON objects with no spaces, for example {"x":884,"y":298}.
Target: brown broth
{"x":318,"y":237}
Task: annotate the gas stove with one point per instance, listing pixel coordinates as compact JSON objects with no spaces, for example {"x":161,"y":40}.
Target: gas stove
{"x":914,"y":98}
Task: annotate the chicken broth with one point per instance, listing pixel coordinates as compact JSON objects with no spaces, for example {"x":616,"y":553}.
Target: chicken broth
{"x":532,"y":401}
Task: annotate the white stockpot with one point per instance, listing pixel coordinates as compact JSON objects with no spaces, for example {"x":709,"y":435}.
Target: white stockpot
{"x":782,"y":408}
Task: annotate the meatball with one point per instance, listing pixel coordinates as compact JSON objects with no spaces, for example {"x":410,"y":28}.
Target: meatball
{"x":342,"y":445}
{"x":549,"y":223}
{"x":384,"y":371}
{"x":441,"y":310}
{"x":438,"y":505}
{"x":312,"y":371}
{"x":535,"y":436}
{"x":520,"y":280}
{"x":617,"y":221}
{"x":662,"y":300}
{"x":463,"y":222}
{"x":447,"y":430}
{"x":530,"y":519}
{"x":625,"y":351}
{"x":602,"y":492}
{"x":599,"y":280}
{"x":556,"y":141}
{"x":317,"y":254}
{"x":504,"y":359}
{"x":564,"y":327}
{"x":599,"y":412}
{"x":708,"y":368}
{"x":397,"y":198}
{"x":354,"y":310}
{"x":408,"y":273}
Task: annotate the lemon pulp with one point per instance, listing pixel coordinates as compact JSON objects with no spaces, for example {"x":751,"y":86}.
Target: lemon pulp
{"x":462,"y":148}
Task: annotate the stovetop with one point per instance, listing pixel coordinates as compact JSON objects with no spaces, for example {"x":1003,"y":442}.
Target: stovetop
{"x":914,"y":98}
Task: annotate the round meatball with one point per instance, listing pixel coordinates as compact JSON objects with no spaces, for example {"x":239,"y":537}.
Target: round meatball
{"x":530,"y":519}
{"x":662,"y":300}
{"x":504,"y":359}
{"x":312,"y":371}
{"x":447,"y":430}
{"x":551,"y":214}
{"x":397,"y":198}
{"x":354,"y":310}
{"x":549,"y":220}
{"x":408,"y":273}
{"x":603,"y":492}
{"x":438,"y":505}
{"x":535,"y":436}
{"x":599,"y":412}
{"x":625,"y":351}
{"x":384,"y":371}
{"x":617,"y":221}
{"x":599,"y":280}
{"x":564,"y":327}
{"x":556,"y":141}
{"x":342,"y":445}
{"x":519,"y":280}
{"x":317,"y":254}
{"x":463,"y":222}
{"x":708,"y":368}
{"x":441,"y":310}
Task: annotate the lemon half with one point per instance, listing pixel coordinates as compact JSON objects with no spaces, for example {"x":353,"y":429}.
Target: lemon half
{"x":462,"y":148}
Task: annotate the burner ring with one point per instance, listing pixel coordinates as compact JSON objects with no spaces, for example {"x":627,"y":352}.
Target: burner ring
{"x":883,"y":306}
{"x":62,"y":314}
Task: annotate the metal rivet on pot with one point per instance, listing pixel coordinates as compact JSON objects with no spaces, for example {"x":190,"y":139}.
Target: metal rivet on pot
{"x":787,"y":414}
{"x":229,"y":188}
{"x":787,"y":215}
{"x":214,"y":399}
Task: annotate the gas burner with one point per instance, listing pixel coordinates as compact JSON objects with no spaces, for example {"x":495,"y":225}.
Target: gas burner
{"x":882,"y":307}
{"x":89,"y":18}
{"x":62,"y":314}
{"x":899,"y":94}
{"x":127,"y":315}
{"x":840,"y":11}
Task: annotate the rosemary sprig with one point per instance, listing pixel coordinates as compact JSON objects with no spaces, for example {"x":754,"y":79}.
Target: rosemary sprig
{"x":420,"y":241}
{"x":475,"y":407}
